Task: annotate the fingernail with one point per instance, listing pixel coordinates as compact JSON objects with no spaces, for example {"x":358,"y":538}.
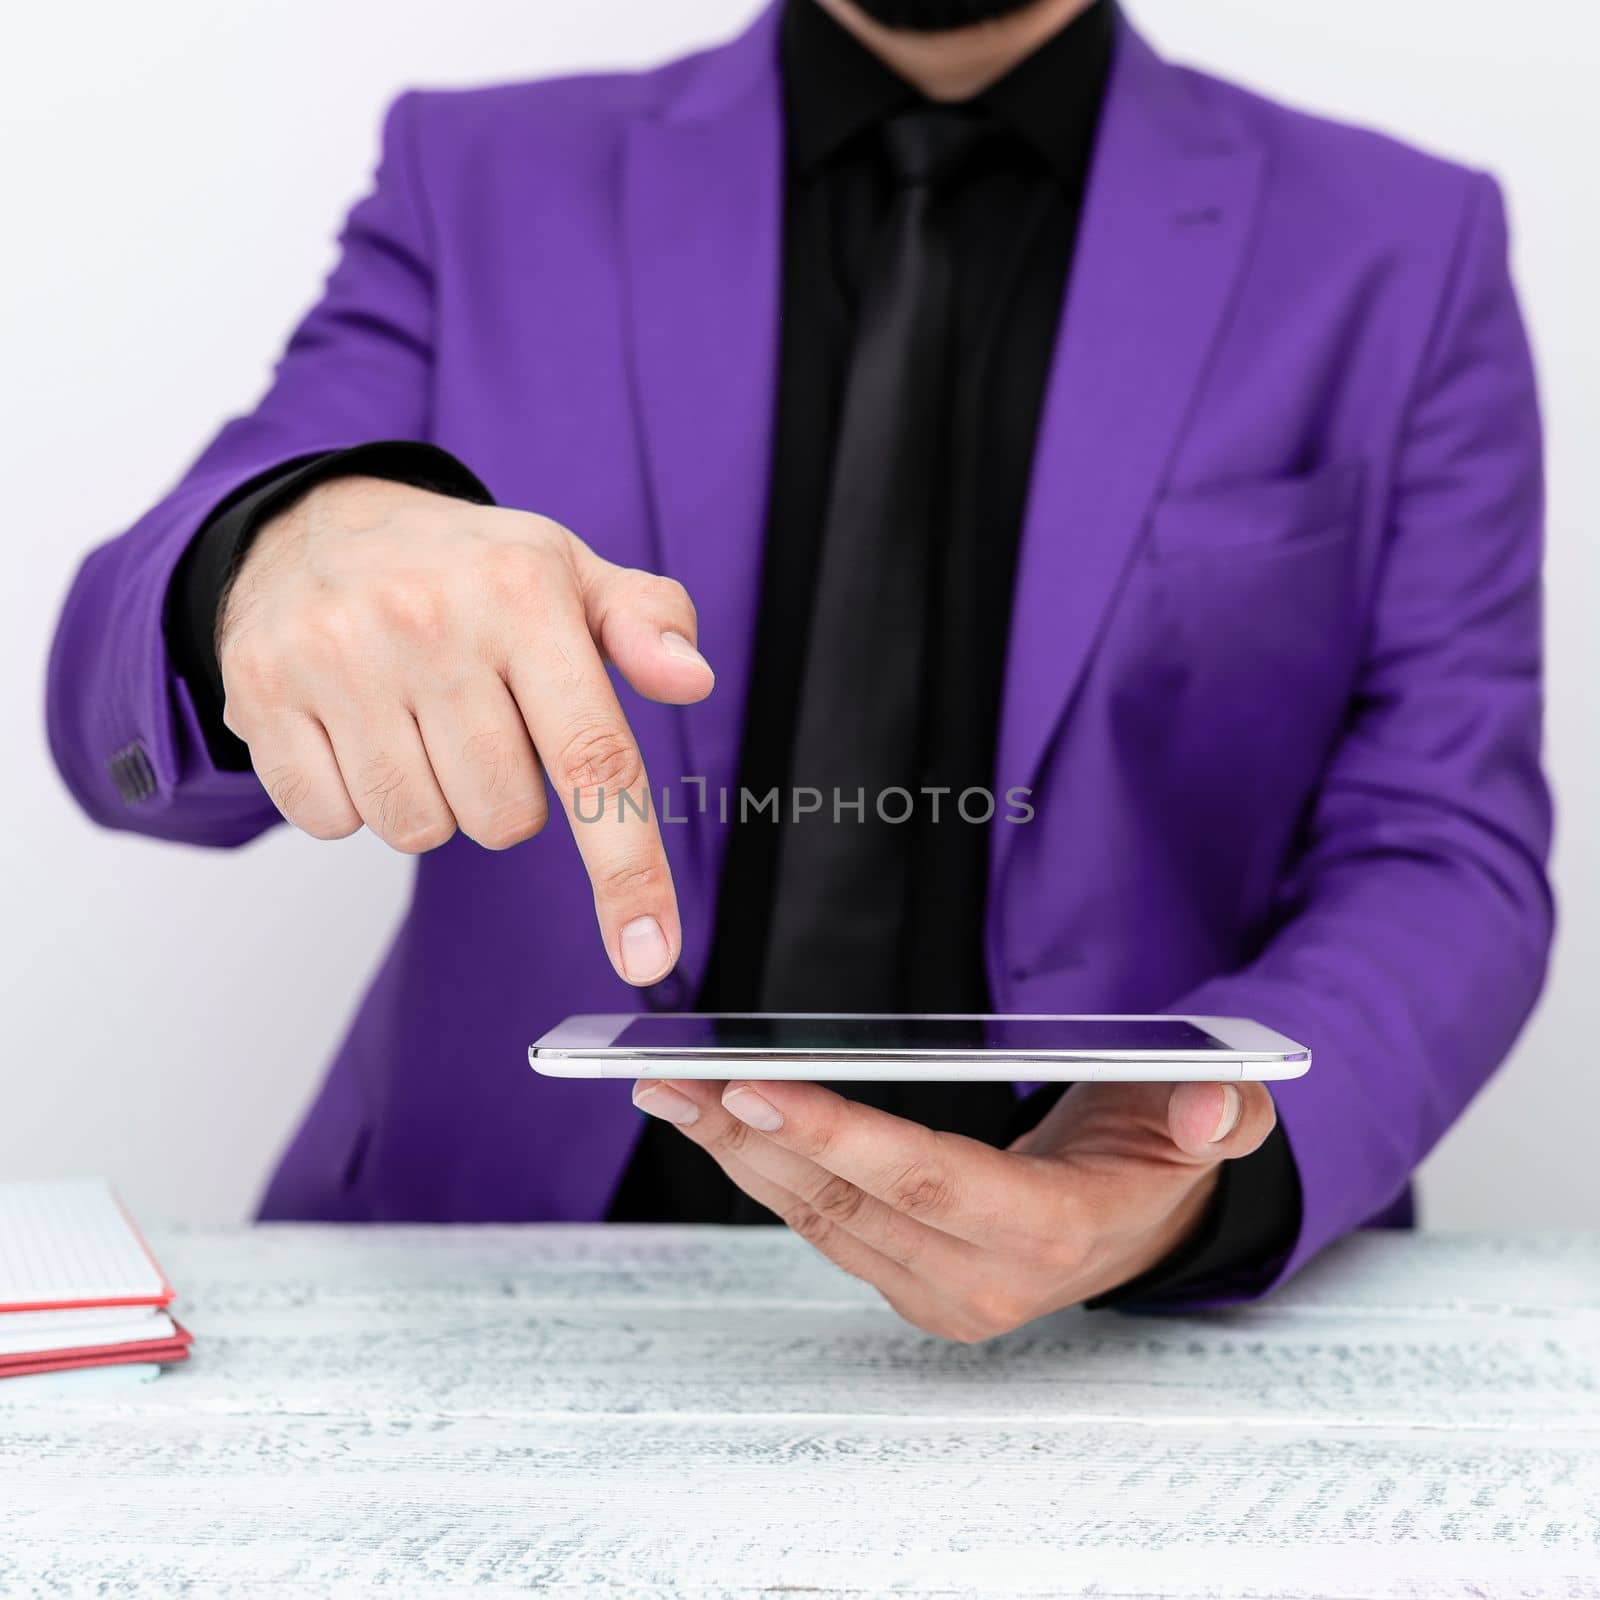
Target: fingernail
{"x":1229,"y":1120}
{"x":680,"y":649}
{"x":660,"y":1101}
{"x":644,"y":951}
{"x":752,"y":1110}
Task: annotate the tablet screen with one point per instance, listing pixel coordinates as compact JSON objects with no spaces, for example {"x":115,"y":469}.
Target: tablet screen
{"x":915,"y":1035}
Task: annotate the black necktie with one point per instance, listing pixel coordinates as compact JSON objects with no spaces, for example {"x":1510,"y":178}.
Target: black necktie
{"x":839,"y":906}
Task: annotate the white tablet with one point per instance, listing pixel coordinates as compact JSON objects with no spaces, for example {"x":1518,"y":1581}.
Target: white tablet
{"x":872,"y":1047}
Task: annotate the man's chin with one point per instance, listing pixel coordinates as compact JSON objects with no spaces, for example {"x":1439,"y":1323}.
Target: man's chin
{"x":937,"y":16}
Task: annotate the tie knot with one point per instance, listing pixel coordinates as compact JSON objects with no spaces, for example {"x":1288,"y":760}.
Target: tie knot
{"x":929,"y":146}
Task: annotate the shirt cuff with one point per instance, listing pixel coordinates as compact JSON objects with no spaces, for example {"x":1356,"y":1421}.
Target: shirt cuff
{"x":200,"y":581}
{"x":1245,"y":1236}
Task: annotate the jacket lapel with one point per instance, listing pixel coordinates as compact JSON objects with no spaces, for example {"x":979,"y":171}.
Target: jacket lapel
{"x":1166,"y":220}
{"x":702,"y":215}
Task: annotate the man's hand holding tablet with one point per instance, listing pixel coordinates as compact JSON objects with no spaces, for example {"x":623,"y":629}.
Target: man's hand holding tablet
{"x":961,"y":1239}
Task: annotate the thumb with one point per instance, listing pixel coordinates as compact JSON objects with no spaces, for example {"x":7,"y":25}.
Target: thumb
{"x":1219,"y":1121}
{"x":646,"y":628}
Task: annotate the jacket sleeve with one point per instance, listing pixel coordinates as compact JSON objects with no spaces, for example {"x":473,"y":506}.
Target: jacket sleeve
{"x":121,"y":722}
{"x":1412,"y":931}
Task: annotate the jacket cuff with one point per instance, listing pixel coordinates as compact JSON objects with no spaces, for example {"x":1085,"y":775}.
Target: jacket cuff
{"x":206,"y":569}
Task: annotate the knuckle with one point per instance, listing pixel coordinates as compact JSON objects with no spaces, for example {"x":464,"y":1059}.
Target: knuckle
{"x":992,"y":1309}
{"x":321,"y":815}
{"x":330,"y":824}
{"x":546,"y":534}
{"x":393,"y":814}
{"x":289,"y":790}
{"x":922,"y":1189}
{"x":819,"y":1139}
{"x":330,"y":629}
{"x":838,"y":1200}
{"x":332,"y":827}
{"x":961,"y":1331}
{"x":383,"y":782}
{"x":510,"y":798}
{"x":511,"y":823}
{"x":252,"y":670}
{"x":490,"y":755}
{"x":734,"y":1137}
{"x":415,"y":609}
{"x":665,"y":595}
{"x":808,"y":1223}
{"x":512,"y":570}
{"x":633,"y":879}
{"x":600,"y":756}
{"x":1063,"y":1255}
{"x":415,"y":838}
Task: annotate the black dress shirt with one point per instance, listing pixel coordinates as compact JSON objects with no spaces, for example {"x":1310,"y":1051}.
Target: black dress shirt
{"x":1012,"y":223}
{"x":1013,"y":226}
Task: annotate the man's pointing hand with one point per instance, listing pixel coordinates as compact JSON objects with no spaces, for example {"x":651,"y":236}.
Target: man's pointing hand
{"x":408,"y":661}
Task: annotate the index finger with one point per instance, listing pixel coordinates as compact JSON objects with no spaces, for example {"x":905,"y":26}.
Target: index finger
{"x":958,"y":1185}
{"x":593,"y":762}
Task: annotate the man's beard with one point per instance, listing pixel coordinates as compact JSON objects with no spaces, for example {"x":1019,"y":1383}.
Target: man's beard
{"x":935,"y":16}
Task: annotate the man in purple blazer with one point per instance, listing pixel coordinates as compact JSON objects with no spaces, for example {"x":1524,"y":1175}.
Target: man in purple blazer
{"x":997,"y":411}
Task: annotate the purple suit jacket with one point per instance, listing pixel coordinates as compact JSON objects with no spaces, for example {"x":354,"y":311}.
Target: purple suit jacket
{"x":1274,"y":667}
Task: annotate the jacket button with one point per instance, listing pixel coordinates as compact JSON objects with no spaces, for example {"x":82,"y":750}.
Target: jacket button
{"x":132,"y":774}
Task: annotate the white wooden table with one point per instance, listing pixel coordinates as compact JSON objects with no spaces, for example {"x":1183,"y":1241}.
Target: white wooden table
{"x":705,"y":1412}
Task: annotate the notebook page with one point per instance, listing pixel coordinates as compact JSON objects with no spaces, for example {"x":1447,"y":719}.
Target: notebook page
{"x":68,"y":1243}
{"x":28,"y":1322}
{"x":131,"y":1325}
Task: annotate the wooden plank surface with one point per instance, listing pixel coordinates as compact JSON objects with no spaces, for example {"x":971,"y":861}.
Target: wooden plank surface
{"x":701,"y":1411}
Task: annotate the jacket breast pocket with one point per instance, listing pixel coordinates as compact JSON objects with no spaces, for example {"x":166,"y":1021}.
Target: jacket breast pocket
{"x":1238,"y":642}
{"x":1245,"y":516}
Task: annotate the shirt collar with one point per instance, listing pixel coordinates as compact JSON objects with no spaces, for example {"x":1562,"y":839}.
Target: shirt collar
{"x":835,"y":89}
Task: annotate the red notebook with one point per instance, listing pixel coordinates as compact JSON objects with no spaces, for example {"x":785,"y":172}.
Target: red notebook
{"x":78,"y":1286}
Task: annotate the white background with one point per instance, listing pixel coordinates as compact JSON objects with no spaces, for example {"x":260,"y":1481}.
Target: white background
{"x":173,"y":173}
